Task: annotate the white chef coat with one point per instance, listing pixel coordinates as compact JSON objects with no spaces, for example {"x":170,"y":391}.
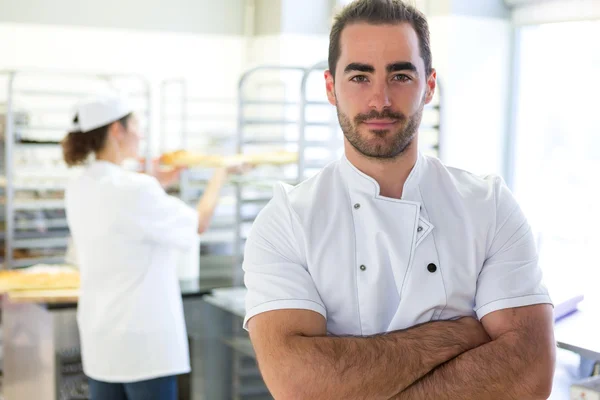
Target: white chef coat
{"x":454,"y":245}
{"x":129,"y":233}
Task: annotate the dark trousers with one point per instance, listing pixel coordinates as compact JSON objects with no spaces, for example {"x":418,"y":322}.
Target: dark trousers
{"x":153,"y":389}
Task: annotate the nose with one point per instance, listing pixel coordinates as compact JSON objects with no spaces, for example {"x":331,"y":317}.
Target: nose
{"x":380,"y":97}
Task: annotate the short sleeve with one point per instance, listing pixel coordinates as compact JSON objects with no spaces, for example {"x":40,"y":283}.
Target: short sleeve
{"x":156,"y":216}
{"x":275,"y":275}
{"x":510,"y":276}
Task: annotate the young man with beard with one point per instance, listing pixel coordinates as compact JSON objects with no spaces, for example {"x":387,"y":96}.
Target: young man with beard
{"x":389,"y":274}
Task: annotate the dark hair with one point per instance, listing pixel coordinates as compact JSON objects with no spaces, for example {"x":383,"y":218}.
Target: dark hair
{"x":77,"y":146}
{"x":379,"y":12}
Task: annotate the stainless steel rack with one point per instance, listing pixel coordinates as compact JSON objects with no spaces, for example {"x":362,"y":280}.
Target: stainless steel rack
{"x":191,"y":121}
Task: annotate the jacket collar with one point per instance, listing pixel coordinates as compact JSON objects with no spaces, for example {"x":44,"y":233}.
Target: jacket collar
{"x":361,"y":182}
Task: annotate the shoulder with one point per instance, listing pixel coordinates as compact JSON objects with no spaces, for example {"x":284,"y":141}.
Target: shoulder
{"x":116,"y":184}
{"x":283,"y":213}
{"x":463,"y":184}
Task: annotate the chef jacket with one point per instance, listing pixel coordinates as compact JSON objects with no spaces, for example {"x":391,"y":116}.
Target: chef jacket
{"x":128,"y":233}
{"x":455,"y":245}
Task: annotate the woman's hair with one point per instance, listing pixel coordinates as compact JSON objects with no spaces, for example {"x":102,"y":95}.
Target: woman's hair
{"x":77,"y":146}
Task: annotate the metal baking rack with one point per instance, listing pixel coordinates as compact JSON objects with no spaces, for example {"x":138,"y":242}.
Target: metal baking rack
{"x":291,"y":113}
{"x":205,"y":124}
{"x":279,"y":108}
{"x":36,"y":109}
{"x":430,"y":132}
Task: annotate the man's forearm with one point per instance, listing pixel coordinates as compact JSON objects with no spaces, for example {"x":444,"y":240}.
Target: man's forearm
{"x":371,"y":368}
{"x":507,"y":368}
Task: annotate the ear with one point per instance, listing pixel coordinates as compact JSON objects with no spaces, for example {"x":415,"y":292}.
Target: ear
{"x":330,"y":88}
{"x":115,"y":131}
{"x":431,"y":85}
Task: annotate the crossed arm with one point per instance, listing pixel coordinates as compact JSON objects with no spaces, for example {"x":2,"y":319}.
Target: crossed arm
{"x":509,"y":355}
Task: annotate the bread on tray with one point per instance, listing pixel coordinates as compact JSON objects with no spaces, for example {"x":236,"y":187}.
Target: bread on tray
{"x":45,"y":277}
{"x":185,"y":158}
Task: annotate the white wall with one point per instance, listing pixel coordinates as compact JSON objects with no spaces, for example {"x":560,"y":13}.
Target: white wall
{"x":216,"y":62}
{"x":198,"y":16}
{"x":529,"y":13}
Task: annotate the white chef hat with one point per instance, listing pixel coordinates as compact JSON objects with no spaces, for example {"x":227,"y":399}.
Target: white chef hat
{"x":100,"y":111}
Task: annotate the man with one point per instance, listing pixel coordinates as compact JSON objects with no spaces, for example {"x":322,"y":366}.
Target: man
{"x":390,"y":275}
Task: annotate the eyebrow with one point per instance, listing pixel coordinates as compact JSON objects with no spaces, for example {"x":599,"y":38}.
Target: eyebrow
{"x":359,"y":67}
{"x":401,"y":66}
{"x":394,"y":67}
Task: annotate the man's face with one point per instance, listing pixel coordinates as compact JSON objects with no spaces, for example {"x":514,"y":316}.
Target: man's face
{"x":380,"y":88}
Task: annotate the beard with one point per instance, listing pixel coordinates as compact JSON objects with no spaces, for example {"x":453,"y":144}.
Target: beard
{"x":381,"y":144}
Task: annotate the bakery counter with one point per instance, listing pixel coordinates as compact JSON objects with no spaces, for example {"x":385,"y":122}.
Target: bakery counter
{"x":65,"y":299}
{"x":41,"y":339}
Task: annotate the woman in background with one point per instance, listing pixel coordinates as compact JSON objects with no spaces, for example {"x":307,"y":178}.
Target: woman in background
{"x":128,"y":232}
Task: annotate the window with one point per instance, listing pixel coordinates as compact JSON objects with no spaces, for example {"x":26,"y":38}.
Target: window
{"x":557,"y":150}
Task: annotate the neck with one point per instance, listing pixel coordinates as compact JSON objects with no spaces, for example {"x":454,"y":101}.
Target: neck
{"x":390,"y":174}
{"x":110,"y":154}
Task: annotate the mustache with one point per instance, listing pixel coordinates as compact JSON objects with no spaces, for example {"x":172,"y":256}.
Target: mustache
{"x":374,"y":114}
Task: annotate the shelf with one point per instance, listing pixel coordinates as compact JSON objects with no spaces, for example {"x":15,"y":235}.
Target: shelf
{"x":315,"y":123}
{"x":268,"y":103}
{"x":256,"y":389}
{"x":30,"y":205}
{"x":269,"y":122}
{"x":283,"y":103}
{"x":217,"y":237}
{"x":19,"y":234}
{"x":64,"y":128}
{"x":282,"y":141}
{"x":59,"y":93}
{"x":263,"y":182}
{"x":242,"y":345}
{"x":41,"y":243}
{"x":274,"y":141}
{"x":318,"y":103}
{"x":263,"y":200}
{"x":34,"y":187}
{"x":32,"y":144}
{"x":25,"y":262}
{"x":284,"y":122}
{"x":249,"y":372}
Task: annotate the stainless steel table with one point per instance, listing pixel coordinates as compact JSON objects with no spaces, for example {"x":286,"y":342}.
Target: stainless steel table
{"x":580,"y":331}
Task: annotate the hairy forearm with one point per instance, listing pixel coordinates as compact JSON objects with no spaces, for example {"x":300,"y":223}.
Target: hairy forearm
{"x":507,"y":368}
{"x":371,"y":368}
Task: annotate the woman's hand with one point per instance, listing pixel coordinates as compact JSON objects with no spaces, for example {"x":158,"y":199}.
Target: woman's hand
{"x":239,"y":169}
{"x":166,"y":177}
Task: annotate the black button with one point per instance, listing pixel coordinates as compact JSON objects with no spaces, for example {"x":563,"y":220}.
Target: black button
{"x":420,"y":229}
{"x":432,"y":268}
{"x":362,"y":267}
{"x":356,"y":206}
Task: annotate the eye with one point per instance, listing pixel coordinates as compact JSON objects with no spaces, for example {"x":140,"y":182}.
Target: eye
{"x":401,"y":78}
{"x":359,"y":79}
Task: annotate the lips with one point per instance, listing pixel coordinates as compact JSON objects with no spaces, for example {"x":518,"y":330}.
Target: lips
{"x":380,"y":124}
